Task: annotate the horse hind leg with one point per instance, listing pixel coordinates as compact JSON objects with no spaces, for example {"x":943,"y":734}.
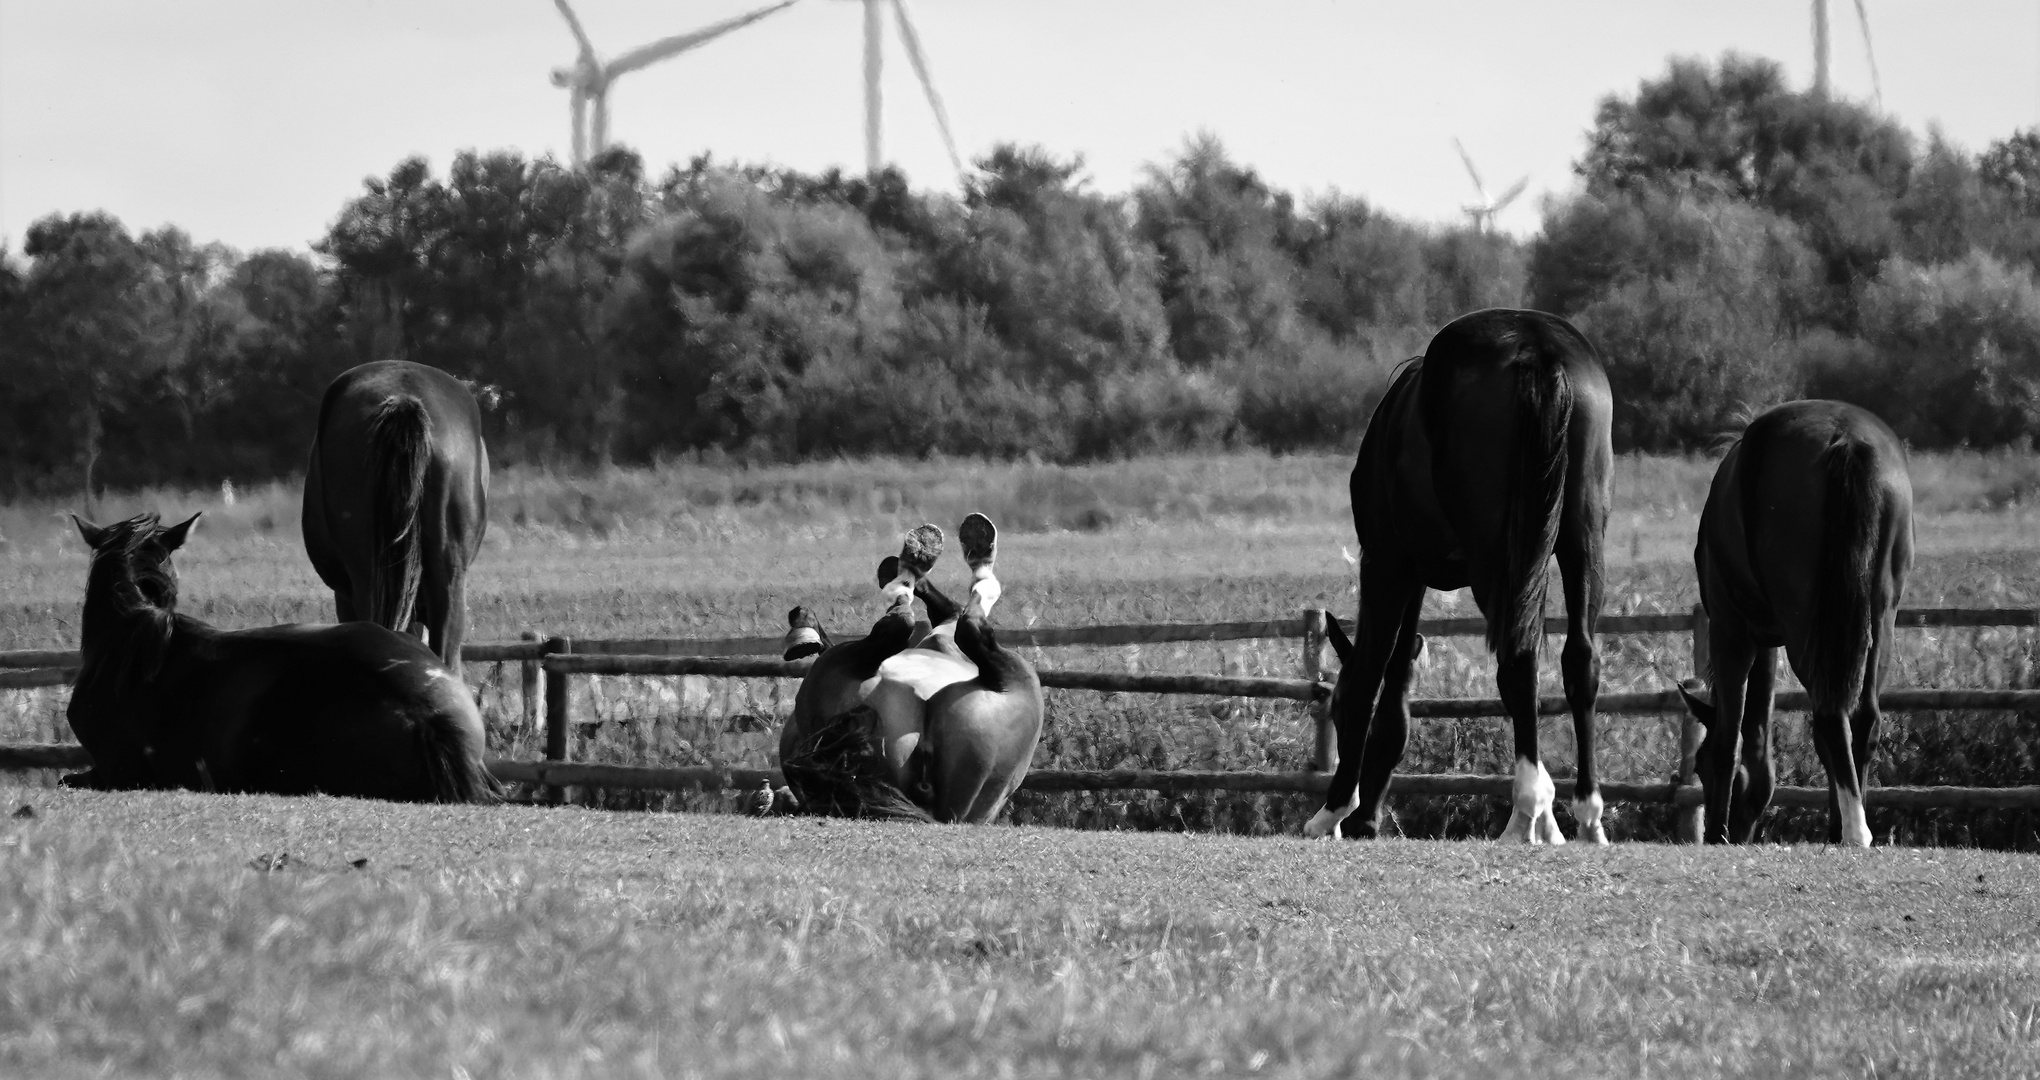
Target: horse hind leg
{"x":1531,"y":792}
{"x":1579,"y":567}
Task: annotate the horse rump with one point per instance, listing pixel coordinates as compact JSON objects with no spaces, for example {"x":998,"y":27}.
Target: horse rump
{"x":454,"y":771}
{"x":839,"y":770}
{"x":399,"y":449}
{"x":1844,"y":579}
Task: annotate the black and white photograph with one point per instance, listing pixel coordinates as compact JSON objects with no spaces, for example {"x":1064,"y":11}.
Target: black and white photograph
{"x":873,"y":539}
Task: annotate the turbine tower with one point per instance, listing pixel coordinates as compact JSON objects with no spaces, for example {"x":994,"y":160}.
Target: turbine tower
{"x":874,"y":66}
{"x":1483,"y":212}
{"x":1822,"y":40}
{"x":589,"y":79}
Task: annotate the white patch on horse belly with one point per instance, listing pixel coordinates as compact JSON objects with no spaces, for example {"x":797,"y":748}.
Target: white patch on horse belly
{"x":925,"y":671}
{"x":1855,"y":828}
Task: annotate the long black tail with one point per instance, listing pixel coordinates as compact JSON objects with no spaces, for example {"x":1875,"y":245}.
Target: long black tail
{"x":839,"y":771}
{"x":1536,"y":496}
{"x":454,"y":770}
{"x":1844,"y":582}
{"x":399,"y":438}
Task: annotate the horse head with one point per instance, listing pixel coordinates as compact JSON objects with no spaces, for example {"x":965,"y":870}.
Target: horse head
{"x":136,"y":556}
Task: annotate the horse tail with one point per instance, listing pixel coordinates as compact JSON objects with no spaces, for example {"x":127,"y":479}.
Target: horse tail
{"x":839,"y":771}
{"x":399,"y":436}
{"x":1536,"y":495}
{"x":454,"y":771}
{"x":1841,"y":610}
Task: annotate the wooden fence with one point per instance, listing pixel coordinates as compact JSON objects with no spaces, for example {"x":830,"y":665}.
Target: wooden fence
{"x":548,"y":664}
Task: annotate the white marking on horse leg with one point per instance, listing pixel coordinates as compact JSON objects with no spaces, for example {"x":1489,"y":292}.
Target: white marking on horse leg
{"x":985,"y":586}
{"x":1855,"y":828}
{"x":1587,"y":812}
{"x":1325,"y":823}
{"x":1530,"y":799}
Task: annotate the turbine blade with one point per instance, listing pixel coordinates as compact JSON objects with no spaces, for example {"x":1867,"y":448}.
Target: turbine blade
{"x":574,"y":24}
{"x":1876,"y":84}
{"x":1509,"y":196}
{"x":912,"y":41}
{"x":1471,"y":171}
{"x":874,"y":97}
{"x":694,"y":39}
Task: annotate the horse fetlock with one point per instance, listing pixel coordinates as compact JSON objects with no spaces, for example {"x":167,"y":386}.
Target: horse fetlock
{"x":1324,"y":825}
{"x":1855,"y":827}
{"x":1531,"y":797}
{"x":1587,"y":812}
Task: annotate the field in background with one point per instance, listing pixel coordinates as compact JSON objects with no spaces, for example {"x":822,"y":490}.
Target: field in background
{"x":708,"y":550}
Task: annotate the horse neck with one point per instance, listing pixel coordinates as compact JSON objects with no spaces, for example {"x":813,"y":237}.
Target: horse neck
{"x":123,"y":638}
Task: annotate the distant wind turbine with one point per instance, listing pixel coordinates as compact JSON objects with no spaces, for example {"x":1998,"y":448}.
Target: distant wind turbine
{"x":874,"y":65}
{"x":1483,"y":212}
{"x":1821,"y":43}
{"x":590,"y":79}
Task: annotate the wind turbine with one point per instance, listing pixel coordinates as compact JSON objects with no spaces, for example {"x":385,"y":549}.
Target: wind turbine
{"x":874,"y":65}
{"x":1483,"y":213}
{"x":1820,"y":49}
{"x":590,"y":78}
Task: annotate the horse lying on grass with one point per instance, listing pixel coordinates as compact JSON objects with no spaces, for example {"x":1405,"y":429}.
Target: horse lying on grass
{"x":923,"y":720}
{"x":1805,"y":542}
{"x":166,"y":701}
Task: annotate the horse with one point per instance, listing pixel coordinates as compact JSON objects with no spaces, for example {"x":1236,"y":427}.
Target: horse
{"x":1489,"y":453}
{"x":923,"y":720}
{"x":1804,"y":542}
{"x":166,"y":701}
{"x":397,"y":499}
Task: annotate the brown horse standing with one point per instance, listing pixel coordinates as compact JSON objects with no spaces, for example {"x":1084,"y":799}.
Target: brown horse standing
{"x":1805,"y":542}
{"x":166,"y":701}
{"x":397,"y":499}
{"x":931,"y":720}
{"x":1489,"y":454}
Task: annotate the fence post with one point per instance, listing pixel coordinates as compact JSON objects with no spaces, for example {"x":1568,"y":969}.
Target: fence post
{"x":1688,"y":822}
{"x":534,"y":675}
{"x":1325,"y":757}
{"x":557,"y":695}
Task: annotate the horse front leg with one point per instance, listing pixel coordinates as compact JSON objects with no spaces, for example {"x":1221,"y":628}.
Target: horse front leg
{"x":1756,"y":778}
{"x":1388,"y":735}
{"x":1384,"y":595}
{"x":1731,"y":658}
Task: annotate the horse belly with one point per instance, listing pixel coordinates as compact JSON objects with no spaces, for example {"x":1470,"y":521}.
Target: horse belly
{"x":899,"y":693}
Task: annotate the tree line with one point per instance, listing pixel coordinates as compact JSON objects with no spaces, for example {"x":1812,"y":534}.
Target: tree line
{"x":1732,"y":243}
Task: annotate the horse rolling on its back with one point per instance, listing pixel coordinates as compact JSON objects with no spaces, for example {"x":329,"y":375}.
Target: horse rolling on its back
{"x":165,"y":701}
{"x":396,"y":499}
{"x":1805,"y":542}
{"x":1488,"y":454}
{"x":918,"y":719}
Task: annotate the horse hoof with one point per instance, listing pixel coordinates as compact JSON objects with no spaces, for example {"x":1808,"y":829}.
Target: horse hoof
{"x":804,"y":634}
{"x":920,"y":550}
{"x":980,"y":539}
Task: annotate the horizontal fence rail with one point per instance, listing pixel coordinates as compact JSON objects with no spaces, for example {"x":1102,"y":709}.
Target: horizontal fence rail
{"x":549,"y":663}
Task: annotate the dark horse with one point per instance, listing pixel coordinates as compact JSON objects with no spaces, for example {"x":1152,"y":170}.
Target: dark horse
{"x":166,"y":701}
{"x":1805,"y":543}
{"x":397,"y":498}
{"x":1488,"y":454}
{"x":917,"y":719}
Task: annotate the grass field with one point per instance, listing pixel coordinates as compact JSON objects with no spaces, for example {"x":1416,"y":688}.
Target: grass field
{"x":713,"y":550}
{"x":180,"y":934}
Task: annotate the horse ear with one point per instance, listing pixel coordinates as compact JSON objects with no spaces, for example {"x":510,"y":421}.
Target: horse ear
{"x":94,"y":535}
{"x":1341,"y":644}
{"x":1700,"y":707}
{"x":175,"y":535}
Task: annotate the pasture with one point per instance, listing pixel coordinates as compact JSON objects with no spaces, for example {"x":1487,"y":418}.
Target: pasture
{"x":709,"y":550}
{"x":195,"y":935}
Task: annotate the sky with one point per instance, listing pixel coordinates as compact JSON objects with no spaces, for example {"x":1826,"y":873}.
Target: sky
{"x":252,"y":121}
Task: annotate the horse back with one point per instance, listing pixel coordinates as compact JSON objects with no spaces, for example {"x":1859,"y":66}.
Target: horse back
{"x":1802,"y":475}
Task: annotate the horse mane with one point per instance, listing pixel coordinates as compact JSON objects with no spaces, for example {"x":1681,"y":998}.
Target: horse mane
{"x":133,"y":632}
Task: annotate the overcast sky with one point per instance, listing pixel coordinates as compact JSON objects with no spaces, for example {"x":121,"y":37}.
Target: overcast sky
{"x":252,"y":121}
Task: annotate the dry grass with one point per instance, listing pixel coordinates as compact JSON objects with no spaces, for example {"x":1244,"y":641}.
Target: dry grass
{"x":696,"y":550}
{"x":139,"y":936}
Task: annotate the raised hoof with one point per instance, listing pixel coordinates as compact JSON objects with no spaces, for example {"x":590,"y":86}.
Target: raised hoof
{"x":804,"y":635}
{"x":980,"y":540}
{"x":920,"y":550}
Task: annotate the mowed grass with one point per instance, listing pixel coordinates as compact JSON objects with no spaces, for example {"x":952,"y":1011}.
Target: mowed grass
{"x":168,"y":934}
